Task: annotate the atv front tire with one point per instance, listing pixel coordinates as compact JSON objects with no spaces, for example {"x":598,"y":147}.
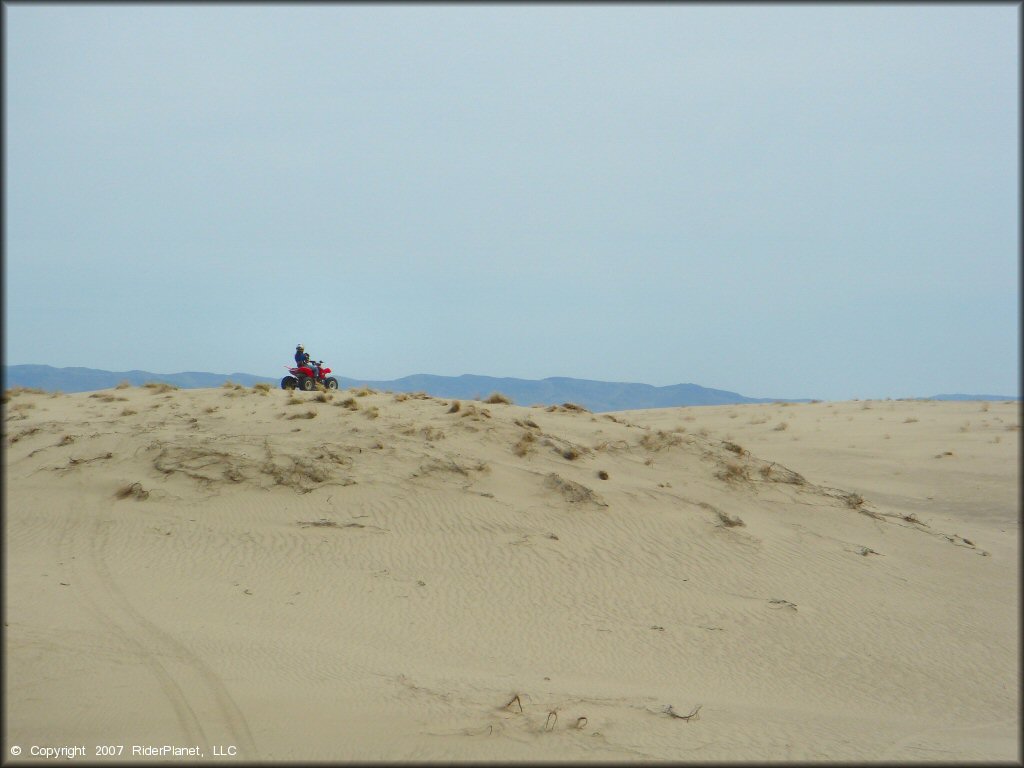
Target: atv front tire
{"x":307,"y":384}
{"x":331,"y":382}
{"x":288,"y":382}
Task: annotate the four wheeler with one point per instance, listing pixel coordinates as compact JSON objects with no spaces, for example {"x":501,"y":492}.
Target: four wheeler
{"x":302,"y":378}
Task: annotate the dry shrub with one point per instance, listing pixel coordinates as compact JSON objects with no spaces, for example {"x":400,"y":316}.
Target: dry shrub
{"x":371,"y":412}
{"x":306,"y":415}
{"x":782,"y":426}
{"x":324,"y":397}
{"x":497,"y":398}
{"x":456,"y":405}
{"x":128,"y":412}
{"x":574,"y":407}
{"x":160,"y":386}
{"x":350,"y":403}
{"x":570,"y":453}
{"x":364,"y":391}
{"x":602,"y":474}
{"x":733,"y":447}
{"x":123,"y":385}
{"x":262,"y":387}
{"x":909,"y":420}
{"x":66,"y":440}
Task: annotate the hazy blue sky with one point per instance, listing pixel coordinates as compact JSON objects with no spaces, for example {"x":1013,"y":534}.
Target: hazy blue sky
{"x":783,"y":201}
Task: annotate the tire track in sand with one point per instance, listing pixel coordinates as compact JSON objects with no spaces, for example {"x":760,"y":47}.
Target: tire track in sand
{"x":202,"y":704}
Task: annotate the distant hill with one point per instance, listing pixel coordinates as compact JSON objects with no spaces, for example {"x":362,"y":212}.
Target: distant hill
{"x":597,"y":396}
{"x":973,"y":397}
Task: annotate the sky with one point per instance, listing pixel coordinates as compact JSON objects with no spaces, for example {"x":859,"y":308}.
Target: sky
{"x":799,"y":201}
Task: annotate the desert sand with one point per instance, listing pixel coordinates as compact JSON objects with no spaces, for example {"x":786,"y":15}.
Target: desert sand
{"x":359,"y":575}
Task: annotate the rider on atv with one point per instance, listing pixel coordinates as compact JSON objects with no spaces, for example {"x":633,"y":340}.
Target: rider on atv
{"x":302,"y":358}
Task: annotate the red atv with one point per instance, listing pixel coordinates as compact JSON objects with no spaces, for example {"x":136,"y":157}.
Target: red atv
{"x":302,"y":378}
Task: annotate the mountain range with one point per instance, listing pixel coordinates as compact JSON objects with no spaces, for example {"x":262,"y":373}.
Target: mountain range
{"x":596,"y":396}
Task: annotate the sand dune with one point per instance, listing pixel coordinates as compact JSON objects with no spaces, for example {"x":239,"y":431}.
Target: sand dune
{"x":360,"y":575}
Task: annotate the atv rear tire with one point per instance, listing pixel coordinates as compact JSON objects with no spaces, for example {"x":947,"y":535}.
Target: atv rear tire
{"x":331,"y":382}
{"x":288,"y":382}
{"x":306,"y":384}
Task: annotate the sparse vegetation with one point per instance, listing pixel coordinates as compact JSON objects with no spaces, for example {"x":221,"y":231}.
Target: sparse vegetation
{"x":262,"y":387}
{"x":497,"y":398}
{"x":456,"y":405}
{"x":123,"y":385}
{"x":307,"y":415}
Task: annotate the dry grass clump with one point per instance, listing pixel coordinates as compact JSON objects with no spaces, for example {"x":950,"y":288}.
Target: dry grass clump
{"x":24,"y":433}
{"x":262,"y":387}
{"x":134,"y":490}
{"x":229,"y":384}
{"x":572,"y":491}
{"x":364,"y":391}
{"x":456,"y":405}
{"x":160,"y":386}
{"x":15,"y":391}
{"x":123,"y":385}
{"x":475,"y":414}
{"x":661,"y":440}
{"x":306,"y":415}
{"x":567,"y":407}
{"x":782,"y":426}
{"x":128,"y":412}
{"x":497,"y":398}
{"x":779,"y":474}
{"x":525,"y":445}
{"x":350,"y":403}
{"x":372,"y":412}
{"x":66,"y":440}
{"x":732,"y":472}
{"x":401,"y":396}
{"x":602,"y":474}
{"x":909,"y":420}
{"x":724,"y":518}
{"x":733,"y":447}
{"x":324,"y":397}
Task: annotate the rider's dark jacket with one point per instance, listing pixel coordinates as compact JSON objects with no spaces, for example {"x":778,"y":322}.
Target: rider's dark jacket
{"x":301,"y":358}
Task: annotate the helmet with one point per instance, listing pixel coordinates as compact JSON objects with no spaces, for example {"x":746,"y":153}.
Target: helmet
{"x":298,"y":346}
